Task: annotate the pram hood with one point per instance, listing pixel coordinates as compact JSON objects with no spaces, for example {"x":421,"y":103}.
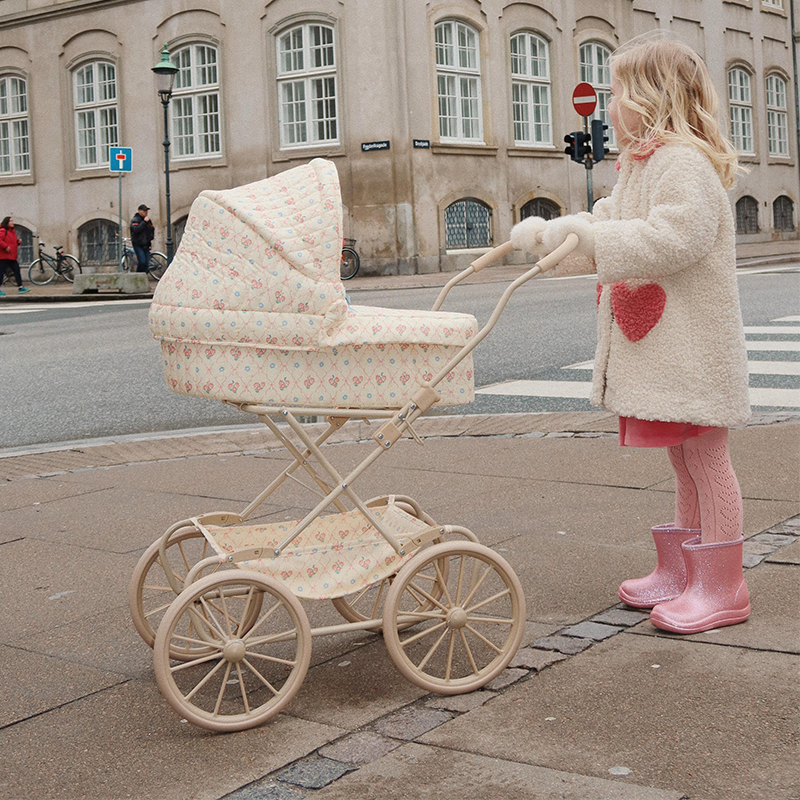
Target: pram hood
{"x":258,"y":266}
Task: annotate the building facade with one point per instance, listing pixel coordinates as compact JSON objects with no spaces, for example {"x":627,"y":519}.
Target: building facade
{"x":445,"y":118}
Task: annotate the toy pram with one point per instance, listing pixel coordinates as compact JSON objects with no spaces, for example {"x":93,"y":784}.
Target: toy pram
{"x":252,"y":312}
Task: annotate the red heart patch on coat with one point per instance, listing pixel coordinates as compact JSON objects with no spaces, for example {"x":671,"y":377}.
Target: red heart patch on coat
{"x":637,"y":310}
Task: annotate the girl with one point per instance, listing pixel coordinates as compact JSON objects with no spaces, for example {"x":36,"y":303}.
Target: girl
{"x":671,"y":358}
{"x":9,"y":243}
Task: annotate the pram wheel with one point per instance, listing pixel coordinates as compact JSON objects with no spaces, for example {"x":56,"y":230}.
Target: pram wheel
{"x":246,"y":677}
{"x":154,"y":585}
{"x":473,"y":630}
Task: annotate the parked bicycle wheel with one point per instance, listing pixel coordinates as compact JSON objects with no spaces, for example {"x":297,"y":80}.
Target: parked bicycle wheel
{"x":156,"y":266}
{"x":350,"y":263}
{"x":128,"y":262}
{"x":41,"y":272}
{"x":70,"y":267}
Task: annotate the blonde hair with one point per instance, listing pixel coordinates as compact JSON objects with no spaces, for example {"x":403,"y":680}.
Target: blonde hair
{"x":667,"y":84}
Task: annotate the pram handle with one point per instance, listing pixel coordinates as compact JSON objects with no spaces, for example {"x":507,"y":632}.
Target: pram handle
{"x":496,"y":253}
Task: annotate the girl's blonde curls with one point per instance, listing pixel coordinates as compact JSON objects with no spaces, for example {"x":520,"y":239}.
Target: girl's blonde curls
{"x":668,"y":85}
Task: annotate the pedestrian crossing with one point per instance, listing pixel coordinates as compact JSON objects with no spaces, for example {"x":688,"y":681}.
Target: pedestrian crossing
{"x":774,"y":383}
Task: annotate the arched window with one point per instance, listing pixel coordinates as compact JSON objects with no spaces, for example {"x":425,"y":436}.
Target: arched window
{"x":195,"y":106}
{"x":540,"y":207}
{"x":307,"y":86}
{"x":178,"y":227}
{"x":15,"y":149}
{"x":458,"y":81}
{"x":468,"y":224}
{"x":25,"y":252}
{"x":746,"y":215}
{"x":741,"y":107}
{"x":97,"y":243}
{"x":96,"y":115}
{"x":595,"y":70}
{"x":783,"y":214}
{"x":777,"y":117}
{"x":530,"y":89}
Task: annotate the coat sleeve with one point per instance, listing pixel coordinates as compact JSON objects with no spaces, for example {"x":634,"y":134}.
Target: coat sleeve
{"x":679,"y":230}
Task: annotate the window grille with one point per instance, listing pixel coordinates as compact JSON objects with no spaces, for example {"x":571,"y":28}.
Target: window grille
{"x":594,"y":69}
{"x":540,"y":207}
{"x":97,"y":243}
{"x":746,"y":215}
{"x":741,"y":110}
{"x":96,"y":113}
{"x":783,"y":214}
{"x":178,"y":227}
{"x":25,"y":252}
{"x":195,"y":105}
{"x":530,"y":89}
{"x":15,"y":148}
{"x":468,"y":224}
{"x":458,"y":82}
{"x":308,"y":86}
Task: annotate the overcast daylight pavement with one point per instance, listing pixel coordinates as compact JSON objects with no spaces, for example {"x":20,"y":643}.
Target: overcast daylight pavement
{"x":597,"y":703}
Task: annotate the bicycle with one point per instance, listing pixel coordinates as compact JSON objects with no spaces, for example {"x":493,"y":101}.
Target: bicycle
{"x":350,"y":260}
{"x":46,"y":267}
{"x":156,"y":263}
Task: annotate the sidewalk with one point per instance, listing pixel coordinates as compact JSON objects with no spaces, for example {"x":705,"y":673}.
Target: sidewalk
{"x":762,"y":254}
{"x":598,"y":705}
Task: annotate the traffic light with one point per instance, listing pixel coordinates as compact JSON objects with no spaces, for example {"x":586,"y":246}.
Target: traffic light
{"x":599,"y":139}
{"x":584,"y":148}
{"x":579,"y":146}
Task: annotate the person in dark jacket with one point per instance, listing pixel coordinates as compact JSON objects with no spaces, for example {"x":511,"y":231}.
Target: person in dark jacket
{"x":9,"y":244}
{"x":142,"y":234}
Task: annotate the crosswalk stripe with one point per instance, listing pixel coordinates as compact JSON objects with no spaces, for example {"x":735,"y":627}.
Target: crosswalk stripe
{"x":793,"y":347}
{"x":787,"y":319}
{"x":774,"y":329}
{"x":753,"y":367}
{"x":778,"y":398}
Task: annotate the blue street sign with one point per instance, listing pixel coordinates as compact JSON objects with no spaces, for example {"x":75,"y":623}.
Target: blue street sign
{"x":119,"y":159}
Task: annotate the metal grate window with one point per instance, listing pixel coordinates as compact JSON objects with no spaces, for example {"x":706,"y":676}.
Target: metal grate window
{"x":746,"y":215}
{"x":540,"y":207}
{"x":25,"y":252}
{"x":783,"y":214}
{"x":97,"y":243}
{"x":468,"y":224}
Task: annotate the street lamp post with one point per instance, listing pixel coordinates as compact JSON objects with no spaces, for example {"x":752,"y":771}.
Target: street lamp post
{"x":165,"y":72}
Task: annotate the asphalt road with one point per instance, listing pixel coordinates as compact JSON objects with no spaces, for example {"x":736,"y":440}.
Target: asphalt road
{"x":73,"y":373}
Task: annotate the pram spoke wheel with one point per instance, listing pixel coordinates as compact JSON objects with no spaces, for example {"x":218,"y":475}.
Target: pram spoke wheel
{"x":245,"y":677}
{"x":470,"y":632}
{"x":150,"y":593}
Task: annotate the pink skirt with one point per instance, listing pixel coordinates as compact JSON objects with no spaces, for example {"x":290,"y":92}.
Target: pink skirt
{"x":655,"y":433}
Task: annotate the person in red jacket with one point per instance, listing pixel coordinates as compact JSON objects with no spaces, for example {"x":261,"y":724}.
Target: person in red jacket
{"x":9,"y":244}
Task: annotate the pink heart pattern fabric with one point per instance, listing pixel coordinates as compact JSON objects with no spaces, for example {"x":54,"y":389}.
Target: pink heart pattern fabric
{"x":637,"y":310}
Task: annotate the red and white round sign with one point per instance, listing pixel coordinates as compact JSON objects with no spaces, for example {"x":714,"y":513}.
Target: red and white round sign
{"x":584,"y":98}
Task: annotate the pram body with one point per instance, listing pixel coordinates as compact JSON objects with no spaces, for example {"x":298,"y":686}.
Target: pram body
{"x":252,"y":312}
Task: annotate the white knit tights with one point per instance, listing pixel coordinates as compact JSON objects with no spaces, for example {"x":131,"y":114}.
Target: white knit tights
{"x":707,"y":494}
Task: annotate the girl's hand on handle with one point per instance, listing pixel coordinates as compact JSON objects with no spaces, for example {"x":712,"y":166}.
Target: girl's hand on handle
{"x":535,"y":234}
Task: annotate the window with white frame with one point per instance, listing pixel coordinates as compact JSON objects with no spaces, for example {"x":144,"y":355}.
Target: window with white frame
{"x":530,"y":89}
{"x":777,"y":117}
{"x":458,"y":81}
{"x":772,"y":3}
{"x":15,"y":152}
{"x":195,"y":106}
{"x":307,"y":86}
{"x":96,"y":114}
{"x":741,"y":108}
{"x":594,"y":69}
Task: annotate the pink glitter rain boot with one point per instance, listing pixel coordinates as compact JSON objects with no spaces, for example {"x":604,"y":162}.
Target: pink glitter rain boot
{"x":668,"y":579}
{"x":715,"y":593}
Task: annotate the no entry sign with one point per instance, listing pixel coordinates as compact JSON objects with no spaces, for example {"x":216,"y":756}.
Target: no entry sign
{"x":584,"y":98}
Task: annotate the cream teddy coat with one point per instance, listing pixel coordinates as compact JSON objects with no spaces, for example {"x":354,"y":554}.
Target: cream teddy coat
{"x":670,"y":342}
